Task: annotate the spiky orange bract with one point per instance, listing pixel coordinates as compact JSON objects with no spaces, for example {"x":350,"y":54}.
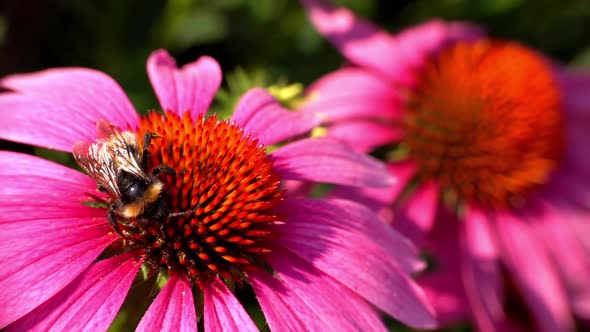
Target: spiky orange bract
{"x":484,"y":120}
{"x":226,"y":177}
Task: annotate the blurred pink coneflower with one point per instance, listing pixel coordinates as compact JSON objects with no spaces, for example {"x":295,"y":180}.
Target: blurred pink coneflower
{"x":488,"y":130}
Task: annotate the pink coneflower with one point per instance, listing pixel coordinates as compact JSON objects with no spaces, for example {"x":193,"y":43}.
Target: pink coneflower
{"x":488,"y":129}
{"x":314,"y":264}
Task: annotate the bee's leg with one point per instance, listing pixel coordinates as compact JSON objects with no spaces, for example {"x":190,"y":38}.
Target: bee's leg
{"x":145,"y":158}
{"x":163,"y":169}
{"x":112,"y":217}
{"x":182,"y":214}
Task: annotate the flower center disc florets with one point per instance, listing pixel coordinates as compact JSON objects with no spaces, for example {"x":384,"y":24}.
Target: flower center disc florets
{"x":225,"y":181}
{"x":485,"y":121}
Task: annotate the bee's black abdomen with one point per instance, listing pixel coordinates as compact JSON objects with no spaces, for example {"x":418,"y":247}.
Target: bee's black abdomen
{"x":156,"y":211}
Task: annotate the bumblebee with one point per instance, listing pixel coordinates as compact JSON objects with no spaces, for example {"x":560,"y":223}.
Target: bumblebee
{"x":119,"y":166}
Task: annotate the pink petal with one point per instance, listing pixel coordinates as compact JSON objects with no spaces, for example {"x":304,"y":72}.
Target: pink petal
{"x":33,"y":188}
{"x":173,"y":309}
{"x":353,"y":93}
{"x":222,"y":311}
{"x":415,"y":45}
{"x":442,"y":282}
{"x":572,"y":197}
{"x":192,"y":87}
{"x":576,"y":136}
{"x":48,"y":237}
{"x":566,"y":251}
{"x":260,"y":115}
{"x":367,"y":45}
{"x":566,"y":182}
{"x":534,"y":274}
{"x":89,"y":303}
{"x":297,"y":288}
{"x":481,"y":270}
{"x":297,"y":188}
{"x":446,"y":293}
{"x":380,"y":199}
{"x":442,"y":241}
{"x":359,"y":40}
{"x":58,"y":107}
{"x":283,"y":310}
{"x":329,"y":161}
{"x":365,"y":135}
{"x":402,"y":172}
{"x":342,"y":236}
{"x":415,"y":217}
{"x":576,"y":85}
{"x":42,"y":256}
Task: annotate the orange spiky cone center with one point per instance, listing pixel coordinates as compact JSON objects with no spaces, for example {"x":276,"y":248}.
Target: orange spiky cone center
{"x":225,"y":183}
{"x":485,"y":121}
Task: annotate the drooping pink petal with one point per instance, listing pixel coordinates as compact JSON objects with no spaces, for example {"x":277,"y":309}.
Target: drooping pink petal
{"x":442,"y":241}
{"x":575,"y":85}
{"x":365,"y":135}
{"x":192,"y":87}
{"x":415,"y":216}
{"x":566,"y":251}
{"x":315,"y":299}
{"x":342,"y":235}
{"x":379,"y":199}
{"x":567,"y":182}
{"x":173,"y":309}
{"x":576,"y":156}
{"x":366,"y":45}
{"x":533,"y":273}
{"x":446,"y":293}
{"x":353,"y":93}
{"x":570,"y":201}
{"x":442,"y":282}
{"x":259,"y":114}
{"x":33,"y":188}
{"x":481,"y":270}
{"x":327,"y":160}
{"x":58,"y":107}
{"x":402,"y":172}
{"x":222,"y":311}
{"x":89,"y":303}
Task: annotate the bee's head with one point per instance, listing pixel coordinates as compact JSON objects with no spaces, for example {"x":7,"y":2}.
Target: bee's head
{"x":133,"y":192}
{"x":131,"y":187}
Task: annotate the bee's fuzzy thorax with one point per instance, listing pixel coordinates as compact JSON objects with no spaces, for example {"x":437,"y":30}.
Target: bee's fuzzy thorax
{"x":134,"y":209}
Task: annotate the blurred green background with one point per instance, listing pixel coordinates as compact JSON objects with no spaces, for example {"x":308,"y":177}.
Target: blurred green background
{"x":269,"y":39}
{"x":255,"y":41}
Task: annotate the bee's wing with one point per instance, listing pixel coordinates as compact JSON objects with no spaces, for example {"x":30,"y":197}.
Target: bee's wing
{"x":127,"y":154}
{"x":94,"y":160}
{"x":123,"y":149}
{"x":105,"y":129}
